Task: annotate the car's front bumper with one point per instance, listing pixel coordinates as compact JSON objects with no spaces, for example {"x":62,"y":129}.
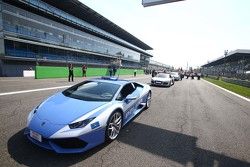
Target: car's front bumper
{"x":177,"y":78}
{"x":70,"y":145}
{"x":160,"y":83}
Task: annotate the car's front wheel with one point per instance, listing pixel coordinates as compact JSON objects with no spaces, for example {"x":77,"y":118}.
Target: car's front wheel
{"x":114,"y":126}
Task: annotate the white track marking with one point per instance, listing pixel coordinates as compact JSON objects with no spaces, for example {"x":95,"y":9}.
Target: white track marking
{"x":52,"y":88}
{"x":242,"y":97}
{"x":33,"y":90}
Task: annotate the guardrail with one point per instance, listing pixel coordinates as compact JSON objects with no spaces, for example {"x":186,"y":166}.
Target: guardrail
{"x":245,"y":83}
{"x":237,"y":81}
{"x":213,"y":77}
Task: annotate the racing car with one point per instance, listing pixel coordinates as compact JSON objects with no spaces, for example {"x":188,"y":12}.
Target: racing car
{"x":86,"y":114}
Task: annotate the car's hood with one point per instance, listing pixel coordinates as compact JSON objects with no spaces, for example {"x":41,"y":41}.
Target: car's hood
{"x":161,"y":79}
{"x":60,"y":109}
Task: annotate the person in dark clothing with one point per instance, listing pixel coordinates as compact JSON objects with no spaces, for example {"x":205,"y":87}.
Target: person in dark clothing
{"x":84,"y":70}
{"x":110,"y":69}
{"x":114,"y":70}
{"x":135,"y":72}
{"x":153,"y":73}
{"x":71,"y":72}
{"x":181,"y":75}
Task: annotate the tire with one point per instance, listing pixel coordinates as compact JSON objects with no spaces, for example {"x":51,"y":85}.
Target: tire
{"x":148,"y":102}
{"x":114,"y":126}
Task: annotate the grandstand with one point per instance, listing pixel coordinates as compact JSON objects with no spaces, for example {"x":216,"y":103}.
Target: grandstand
{"x":55,"y":33}
{"x":235,"y":64}
{"x":158,"y":66}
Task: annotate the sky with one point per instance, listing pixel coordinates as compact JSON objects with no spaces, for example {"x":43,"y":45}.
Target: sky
{"x":190,"y":32}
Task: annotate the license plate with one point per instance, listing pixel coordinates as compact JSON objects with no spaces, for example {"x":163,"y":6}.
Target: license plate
{"x":158,"y":82}
{"x":36,"y":136}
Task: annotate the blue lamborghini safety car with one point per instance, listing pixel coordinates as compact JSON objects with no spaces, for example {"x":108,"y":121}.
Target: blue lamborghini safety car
{"x":86,"y":114}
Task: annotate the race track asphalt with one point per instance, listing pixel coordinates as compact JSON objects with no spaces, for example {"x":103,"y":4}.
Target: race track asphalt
{"x":191,"y":123}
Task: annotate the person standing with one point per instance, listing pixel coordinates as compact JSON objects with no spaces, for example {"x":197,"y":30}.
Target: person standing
{"x":110,"y":69}
{"x":114,"y":70}
{"x":84,"y":70}
{"x":135,"y":72}
{"x":153,"y":73}
{"x":71,"y":72}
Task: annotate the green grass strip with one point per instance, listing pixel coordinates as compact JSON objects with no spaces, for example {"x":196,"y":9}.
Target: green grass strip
{"x":241,"y":90}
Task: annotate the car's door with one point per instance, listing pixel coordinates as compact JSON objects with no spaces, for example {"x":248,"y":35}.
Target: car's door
{"x":126,"y":96}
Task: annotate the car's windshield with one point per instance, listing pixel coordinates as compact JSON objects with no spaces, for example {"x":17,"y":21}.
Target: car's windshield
{"x":92,"y":91}
{"x":162,"y":75}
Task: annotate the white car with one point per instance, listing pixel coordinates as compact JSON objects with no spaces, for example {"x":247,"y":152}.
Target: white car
{"x":176,"y":76}
{"x":162,"y":79}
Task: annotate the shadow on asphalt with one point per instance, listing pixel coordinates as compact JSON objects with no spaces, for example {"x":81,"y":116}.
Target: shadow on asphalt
{"x":26,"y":153}
{"x":175,"y":146}
{"x":159,"y":86}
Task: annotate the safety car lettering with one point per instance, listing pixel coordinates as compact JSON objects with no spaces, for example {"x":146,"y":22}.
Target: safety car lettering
{"x":129,"y":111}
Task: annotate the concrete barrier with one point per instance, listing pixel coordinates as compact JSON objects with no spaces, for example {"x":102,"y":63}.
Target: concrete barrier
{"x":28,"y":73}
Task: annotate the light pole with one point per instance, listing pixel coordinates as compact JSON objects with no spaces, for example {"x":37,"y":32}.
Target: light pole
{"x":225,"y":55}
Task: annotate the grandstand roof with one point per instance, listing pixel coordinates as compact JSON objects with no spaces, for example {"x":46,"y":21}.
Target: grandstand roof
{"x":230,"y":57}
{"x":78,"y":9}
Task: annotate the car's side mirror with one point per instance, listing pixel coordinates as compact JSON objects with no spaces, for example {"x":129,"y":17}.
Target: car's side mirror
{"x":130,"y":98}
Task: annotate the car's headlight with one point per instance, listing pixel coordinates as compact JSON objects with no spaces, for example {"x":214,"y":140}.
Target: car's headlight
{"x":80,"y":124}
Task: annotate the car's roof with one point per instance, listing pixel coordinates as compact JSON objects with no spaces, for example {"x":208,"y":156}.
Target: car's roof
{"x":113,"y":80}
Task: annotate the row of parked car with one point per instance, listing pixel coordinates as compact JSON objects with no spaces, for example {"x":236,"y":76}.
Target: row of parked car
{"x":165,"y":79}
